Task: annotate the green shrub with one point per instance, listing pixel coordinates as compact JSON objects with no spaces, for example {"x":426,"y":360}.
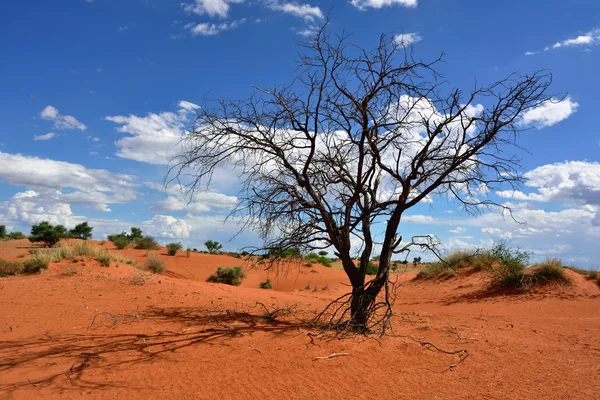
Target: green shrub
{"x":36,"y":264}
{"x":511,"y":271}
{"x":120,"y":241}
{"x":416,"y":261}
{"x":16,"y":236}
{"x":230,"y":276}
{"x":147,"y":243}
{"x":8,"y":268}
{"x":2,"y":231}
{"x":105,"y":260}
{"x":372,"y":268}
{"x":550,"y":271}
{"x":173,"y":248}
{"x":266,"y":284}
{"x":154,"y":263}
{"x":317,"y":258}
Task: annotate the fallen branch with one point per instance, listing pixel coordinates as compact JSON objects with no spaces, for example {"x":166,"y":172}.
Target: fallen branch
{"x":332,"y":356}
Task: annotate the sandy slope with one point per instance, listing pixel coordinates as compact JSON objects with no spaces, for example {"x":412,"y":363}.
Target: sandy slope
{"x":180,"y":337}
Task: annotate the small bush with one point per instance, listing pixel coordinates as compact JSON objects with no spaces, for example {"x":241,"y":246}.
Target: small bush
{"x":173,"y":248}
{"x":266,"y":284}
{"x":550,"y":271}
{"x":120,"y":241}
{"x":105,"y":260}
{"x":511,"y":271}
{"x":154,"y":263}
{"x":16,"y":236}
{"x":147,"y":243}
{"x":36,"y":264}
{"x":318,"y":258}
{"x":230,"y":276}
{"x":372,"y":268}
{"x":188,"y":251}
{"x":212,"y":246}
{"x":8,"y":268}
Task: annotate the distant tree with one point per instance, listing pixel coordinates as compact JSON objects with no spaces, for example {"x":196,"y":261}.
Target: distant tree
{"x":82,"y":231}
{"x":357,"y":139}
{"x":136,"y":234}
{"x":213,"y":246}
{"x":323,"y":253}
{"x":416,"y":261}
{"x":46,"y":233}
{"x":2,"y":231}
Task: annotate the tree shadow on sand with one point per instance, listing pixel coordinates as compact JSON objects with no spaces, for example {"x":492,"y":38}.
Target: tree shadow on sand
{"x":70,"y":358}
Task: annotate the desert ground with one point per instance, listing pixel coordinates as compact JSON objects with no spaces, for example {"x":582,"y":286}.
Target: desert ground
{"x":82,"y":330}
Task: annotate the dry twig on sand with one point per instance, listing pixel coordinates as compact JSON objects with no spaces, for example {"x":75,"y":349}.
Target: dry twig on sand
{"x":332,"y":356}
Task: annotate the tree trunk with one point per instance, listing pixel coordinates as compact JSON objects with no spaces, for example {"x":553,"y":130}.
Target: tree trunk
{"x":359,"y":309}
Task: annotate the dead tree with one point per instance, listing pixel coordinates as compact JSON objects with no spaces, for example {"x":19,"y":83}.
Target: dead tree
{"x":358,"y":138}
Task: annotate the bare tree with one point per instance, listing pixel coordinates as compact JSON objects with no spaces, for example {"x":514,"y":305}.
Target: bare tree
{"x":359,"y":137}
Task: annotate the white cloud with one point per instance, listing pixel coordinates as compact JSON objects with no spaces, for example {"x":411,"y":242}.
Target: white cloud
{"x":568,"y":182}
{"x":47,"y":136}
{"x":212,"y":8}
{"x":61,"y":121}
{"x":407,"y":39}
{"x":586,"y":39}
{"x":458,"y":230}
{"x":549,"y":113}
{"x":209,"y":29}
{"x":306,"y":11}
{"x":166,"y":226}
{"x":99,"y":69}
{"x":531,"y":53}
{"x":154,"y":138}
{"x":364,"y":4}
{"x":67,"y":182}
{"x":202,"y":202}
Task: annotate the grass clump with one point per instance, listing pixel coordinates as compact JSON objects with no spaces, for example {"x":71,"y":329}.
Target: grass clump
{"x":437,"y":269}
{"x":68,"y":272}
{"x":36,"y":264}
{"x":550,"y":270}
{"x":229,"y":276}
{"x":8,"y":268}
{"x":266,"y":284}
{"x":154,"y":263}
{"x":147,"y":243}
{"x":173,"y":248}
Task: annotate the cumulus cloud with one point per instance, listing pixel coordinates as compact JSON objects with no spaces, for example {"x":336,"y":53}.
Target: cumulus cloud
{"x":306,"y":11}
{"x":61,"y":121}
{"x":154,"y":138}
{"x":209,"y":29}
{"x":47,"y":136}
{"x":212,"y":8}
{"x":549,"y":113}
{"x":202,"y":202}
{"x":458,"y":229}
{"x":407,"y":39}
{"x":364,"y":4}
{"x":166,"y":226}
{"x":585,"y":40}
{"x":581,"y":40}
{"x":67,"y":182}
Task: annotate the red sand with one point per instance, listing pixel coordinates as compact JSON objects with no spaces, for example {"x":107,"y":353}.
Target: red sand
{"x":194,"y":340}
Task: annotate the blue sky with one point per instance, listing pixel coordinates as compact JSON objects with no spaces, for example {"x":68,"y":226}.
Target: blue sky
{"x":93,"y":93}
